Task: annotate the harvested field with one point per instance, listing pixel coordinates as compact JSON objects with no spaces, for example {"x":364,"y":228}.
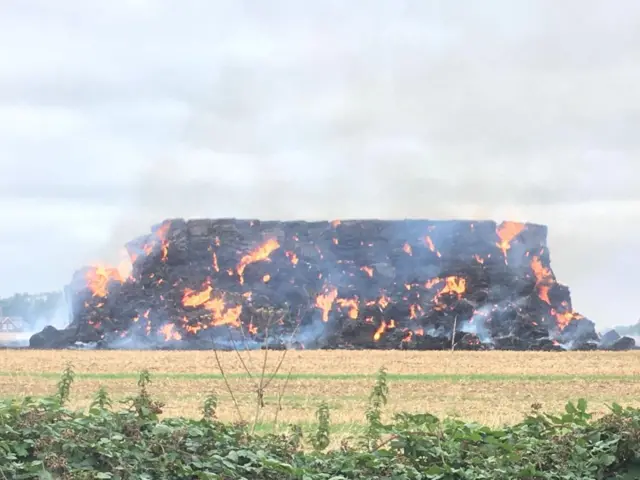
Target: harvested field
{"x":489,"y":387}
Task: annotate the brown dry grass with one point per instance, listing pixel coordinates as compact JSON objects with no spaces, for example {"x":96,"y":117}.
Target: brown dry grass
{"x":493,"y":399}
{"x":330,"y":362}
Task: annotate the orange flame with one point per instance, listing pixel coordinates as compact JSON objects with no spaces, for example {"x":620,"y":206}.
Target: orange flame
{"x":169,"y":332}
{"x":563,"y":319}
{"x":367,"y":270}
{"x":431,"y":246}
{"x":382,"y":328}
{"x":221,"y":315}
{"x":457,"y":285}
{"x":544,"y":281}
{"x":293,"y":258}
{"x":161,"y":235}
{"x":191,"y":298}
{"x":98,"y":278}
{"x":506,"y":232}
{"x":380,"y":331}
{"x":432,"y":282}
{"x":453,"y":284}
{"x":324,"y":301}
{"x":351,"y":304}
{"x":415,"y":311}
{"x":383,"y":302}
{"x":544,"y":278}
{"x":261,"y":253}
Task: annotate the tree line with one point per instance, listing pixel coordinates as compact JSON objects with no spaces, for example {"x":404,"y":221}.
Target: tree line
{"x":31,"y":307}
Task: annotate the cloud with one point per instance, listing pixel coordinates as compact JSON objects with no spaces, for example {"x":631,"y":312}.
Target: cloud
{"x":117,"y":115}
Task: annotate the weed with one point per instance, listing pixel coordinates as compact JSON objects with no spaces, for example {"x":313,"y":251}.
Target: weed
{"x":40,"y":438}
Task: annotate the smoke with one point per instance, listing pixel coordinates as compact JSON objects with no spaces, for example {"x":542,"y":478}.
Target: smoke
{"x":60,"y":318}
{"x":476,"y":324}
{"x":513,"y":111}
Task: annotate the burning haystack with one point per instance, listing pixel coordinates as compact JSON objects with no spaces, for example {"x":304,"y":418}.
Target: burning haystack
{"x":413,"y":284}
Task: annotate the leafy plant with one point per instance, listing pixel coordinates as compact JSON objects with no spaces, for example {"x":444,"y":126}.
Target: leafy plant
{"x":101,"y":400}
{"x":64,"y":384}
{"x":40,"y":438}
{"x":321,"y":439}
{"x":210,"y":406}
{"x":377,"y":399}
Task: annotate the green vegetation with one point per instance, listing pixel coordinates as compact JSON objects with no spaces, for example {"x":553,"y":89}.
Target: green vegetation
{"x":42,"y":438}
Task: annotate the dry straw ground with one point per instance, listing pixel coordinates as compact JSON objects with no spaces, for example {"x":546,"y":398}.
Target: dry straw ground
{"x":490,"y":387}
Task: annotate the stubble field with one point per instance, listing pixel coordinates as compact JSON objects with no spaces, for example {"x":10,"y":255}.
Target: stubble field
{"x":489,"y":387}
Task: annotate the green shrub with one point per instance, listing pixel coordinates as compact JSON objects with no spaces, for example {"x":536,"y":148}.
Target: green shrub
{"x":41,"y":438}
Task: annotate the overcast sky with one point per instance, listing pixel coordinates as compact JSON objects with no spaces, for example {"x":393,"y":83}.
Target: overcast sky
{"x":118,"y":114}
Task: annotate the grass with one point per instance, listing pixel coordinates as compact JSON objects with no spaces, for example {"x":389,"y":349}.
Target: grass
{"x":44,"y":438}
{"x":493,"y":388}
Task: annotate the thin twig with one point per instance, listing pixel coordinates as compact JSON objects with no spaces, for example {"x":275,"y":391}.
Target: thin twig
{"x":279,"y":365}
{"x":280,"y":397}
{"x":260,"y":387}
{"x":242,"y":362}
{"x":394,"y":436}
{"x":453,"y":334}
{"x":244,"y":341}
{"x":226,"y":381}
{"x":382,"y":444}
{"x":267,"y":378}
{"x":276,"y":370}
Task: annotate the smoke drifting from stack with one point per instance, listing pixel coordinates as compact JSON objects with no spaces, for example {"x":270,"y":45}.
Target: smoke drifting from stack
{"x":509,"y":113}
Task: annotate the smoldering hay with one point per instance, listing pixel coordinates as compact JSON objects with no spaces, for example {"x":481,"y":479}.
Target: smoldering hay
{"x":352,"y":284}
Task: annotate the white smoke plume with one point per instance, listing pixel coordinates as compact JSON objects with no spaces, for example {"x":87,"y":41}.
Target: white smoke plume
{"x":505,"y":110}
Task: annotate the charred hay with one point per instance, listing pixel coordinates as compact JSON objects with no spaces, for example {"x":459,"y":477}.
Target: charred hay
{"x":410,"y":284}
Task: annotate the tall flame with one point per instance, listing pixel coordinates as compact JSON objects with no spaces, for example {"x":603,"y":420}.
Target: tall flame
{"x":98,"y":278}
{"x":324,"y":301}
{"x":507,"y":232}
{"x":259,"y":254}
{"x":431,"y":246}
{"x":544,"y":279}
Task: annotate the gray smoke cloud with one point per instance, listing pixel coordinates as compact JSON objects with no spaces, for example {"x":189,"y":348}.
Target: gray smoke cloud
{"x":115,"y":117}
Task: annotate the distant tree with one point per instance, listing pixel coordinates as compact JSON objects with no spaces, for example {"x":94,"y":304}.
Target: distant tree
{"x":31,"y":307}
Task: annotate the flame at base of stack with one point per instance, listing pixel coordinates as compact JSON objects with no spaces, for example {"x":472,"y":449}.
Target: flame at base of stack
{"x":411,"y":284}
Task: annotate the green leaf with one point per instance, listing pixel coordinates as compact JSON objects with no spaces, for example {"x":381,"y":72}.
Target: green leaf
{"x":233,"y":456}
